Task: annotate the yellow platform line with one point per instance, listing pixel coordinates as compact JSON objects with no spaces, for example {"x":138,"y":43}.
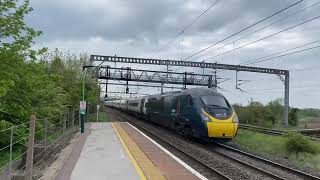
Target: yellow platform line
{"x":144,"y":166}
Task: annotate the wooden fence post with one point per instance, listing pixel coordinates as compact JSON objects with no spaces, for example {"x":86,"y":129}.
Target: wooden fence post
{"x":64,"y":123}
{"x":73,"y":114}
{"x":29,"y":160}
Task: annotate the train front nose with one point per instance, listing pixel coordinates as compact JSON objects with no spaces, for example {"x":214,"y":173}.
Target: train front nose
{"x":222,"y":129}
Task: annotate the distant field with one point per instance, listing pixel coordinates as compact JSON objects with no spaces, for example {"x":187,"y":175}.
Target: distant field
{"x":309,"y":122}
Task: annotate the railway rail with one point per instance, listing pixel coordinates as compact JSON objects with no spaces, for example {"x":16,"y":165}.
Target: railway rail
{"x":262,"y":129}
{"x":226,"y":154}
{"x":276,"y":132}
{"x":272,"y":163}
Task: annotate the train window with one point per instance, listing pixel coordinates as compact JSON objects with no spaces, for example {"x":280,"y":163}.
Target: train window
{"x":186,"y":100}
{"x":217,"y":101}
{"x":134,"y":104}
{"x":168,"y":104}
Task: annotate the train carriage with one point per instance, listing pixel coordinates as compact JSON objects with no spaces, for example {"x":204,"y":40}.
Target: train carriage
{"x":199,"y":112}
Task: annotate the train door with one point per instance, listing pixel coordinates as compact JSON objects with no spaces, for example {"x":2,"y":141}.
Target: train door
{"x":145,"y":108}
{"x":185,"y":114}
{"x":167,"y":109}
{"x":141,"y":106}
{"x":160,"y":115}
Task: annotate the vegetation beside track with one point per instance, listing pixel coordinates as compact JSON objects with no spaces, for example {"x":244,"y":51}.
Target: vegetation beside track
{"x":103,"y":117}
{"x":35,"y":82}
{"x":271,"y":114}
{"x":278,"y":146}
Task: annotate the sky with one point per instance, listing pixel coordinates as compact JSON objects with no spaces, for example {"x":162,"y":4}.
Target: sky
{"x":140,"y":28}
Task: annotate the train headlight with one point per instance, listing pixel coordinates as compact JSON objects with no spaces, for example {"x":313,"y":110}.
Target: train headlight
{"x":235,"y":119}
{"x":204,"y":116}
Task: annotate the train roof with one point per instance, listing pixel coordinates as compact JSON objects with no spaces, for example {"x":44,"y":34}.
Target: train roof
{"x":192,"y":92}
{"x":201,"y":91}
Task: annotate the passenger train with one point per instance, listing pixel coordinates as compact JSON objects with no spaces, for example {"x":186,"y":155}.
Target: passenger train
{"x":194,"y":113}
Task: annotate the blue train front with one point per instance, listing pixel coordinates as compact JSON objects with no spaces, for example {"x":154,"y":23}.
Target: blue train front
{"x":199,"y":112}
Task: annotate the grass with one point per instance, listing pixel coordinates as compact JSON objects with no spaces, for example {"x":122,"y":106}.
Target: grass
{"x":275,"y":145}
{"x":5,"y":158}
{"x":102,"y":117}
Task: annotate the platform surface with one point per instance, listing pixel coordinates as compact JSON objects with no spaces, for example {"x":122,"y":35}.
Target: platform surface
{"x":103,"y":157}
{"x":160,"y":164}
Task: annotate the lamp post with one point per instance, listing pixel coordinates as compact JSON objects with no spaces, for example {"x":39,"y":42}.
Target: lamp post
{"x":83,"y":111}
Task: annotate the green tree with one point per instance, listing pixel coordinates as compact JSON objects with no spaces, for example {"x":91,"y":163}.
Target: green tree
{"x":293,"y":116}
{"x":15,"y":35}
{"x":275,"y":110}
{"x":35,"y":82}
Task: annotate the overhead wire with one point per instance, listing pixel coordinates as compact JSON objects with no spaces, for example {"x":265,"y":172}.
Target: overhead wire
{"x":244,"y":29}
{"x":271,"y":35}
{"x":294,"y":52}
{"x":188,"y":26}
{"x":265,"y":27}
{"x":266,"y":58}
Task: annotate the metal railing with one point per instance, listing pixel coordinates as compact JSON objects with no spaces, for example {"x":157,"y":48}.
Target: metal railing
{"x":30,"y":145}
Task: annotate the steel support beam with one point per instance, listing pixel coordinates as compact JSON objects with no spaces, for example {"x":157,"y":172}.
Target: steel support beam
{"x":286,"y":100}
{"x":143,"y":85}
{"x":138,"y":75}
{"x":237,"y":68}
{"x":186,"y":64}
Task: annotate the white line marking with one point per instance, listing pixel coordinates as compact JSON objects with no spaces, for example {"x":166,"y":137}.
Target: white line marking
{"x":121,"y":154}
{"x":193,"y":171}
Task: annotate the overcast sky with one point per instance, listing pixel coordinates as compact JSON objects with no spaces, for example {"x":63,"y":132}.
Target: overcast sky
{"x":138,"y":28}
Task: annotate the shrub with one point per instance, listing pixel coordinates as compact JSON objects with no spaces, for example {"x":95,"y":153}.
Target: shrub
{"x":297,"y":144}
{"x":20,"y":134}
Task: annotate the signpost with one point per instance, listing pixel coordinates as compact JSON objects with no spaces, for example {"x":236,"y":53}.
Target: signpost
{"x":98,"y":108}
{"x":83,"y":106}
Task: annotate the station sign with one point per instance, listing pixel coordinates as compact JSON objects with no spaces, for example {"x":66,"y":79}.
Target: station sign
{"x":83,"y":106}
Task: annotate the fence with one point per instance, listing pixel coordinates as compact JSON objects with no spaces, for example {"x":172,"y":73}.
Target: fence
{"x":26,"y":148}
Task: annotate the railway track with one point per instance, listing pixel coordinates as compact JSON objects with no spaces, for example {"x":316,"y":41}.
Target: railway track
{"x":273,"y":131}
{"x":265,"y":173}
{"x":262,"y":129}
{"x":266,"y":161}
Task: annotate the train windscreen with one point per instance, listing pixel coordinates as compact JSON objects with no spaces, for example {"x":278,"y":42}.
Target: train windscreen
{"x":217,"y":106}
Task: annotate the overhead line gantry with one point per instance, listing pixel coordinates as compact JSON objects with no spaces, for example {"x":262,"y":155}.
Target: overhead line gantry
{"x":105,"y":72}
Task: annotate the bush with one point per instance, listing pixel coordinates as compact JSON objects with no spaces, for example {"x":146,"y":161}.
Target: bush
{"x":293,"y":117}
{"x":297,"y":144}
{"x":19,"y":134}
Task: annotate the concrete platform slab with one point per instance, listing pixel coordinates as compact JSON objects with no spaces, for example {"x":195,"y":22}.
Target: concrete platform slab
{"x":162,"y":161}
{"x":103,"y":157}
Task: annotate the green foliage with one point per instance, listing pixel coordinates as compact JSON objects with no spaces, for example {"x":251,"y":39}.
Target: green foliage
{"x":309,"y":112}
{"x":15,"y":35}
{"x":19,"y":134}
{"x":268,"y":115}
{"x":102,"y":117}
{"x":264,"y":115}
{"x":277,"y":146}
{"x":293,"y":117}
{"x":35,"y":81}
{"x":297,"y":144}
{"x":260,"y":142}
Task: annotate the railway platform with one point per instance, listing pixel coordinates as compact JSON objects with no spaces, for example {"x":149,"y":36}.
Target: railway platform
{"x":117,"y":150}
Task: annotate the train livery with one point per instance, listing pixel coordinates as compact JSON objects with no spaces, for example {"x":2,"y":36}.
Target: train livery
{"x":198,"y":112}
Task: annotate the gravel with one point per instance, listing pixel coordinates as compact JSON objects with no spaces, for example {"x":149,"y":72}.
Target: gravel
{"x":280,"y":160}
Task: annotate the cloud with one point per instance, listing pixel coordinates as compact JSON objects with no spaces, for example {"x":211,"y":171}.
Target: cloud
{"x":139,"y":28}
